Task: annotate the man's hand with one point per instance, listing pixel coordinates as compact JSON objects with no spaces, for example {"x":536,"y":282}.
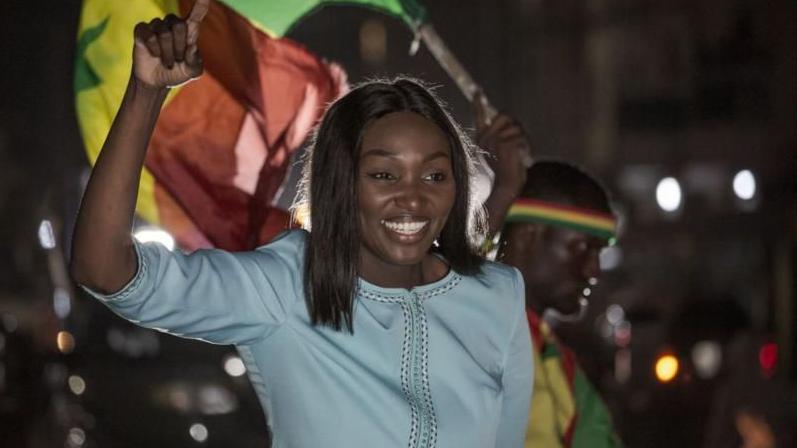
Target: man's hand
{"x":507,"y":144}
{"x":165,"y":53}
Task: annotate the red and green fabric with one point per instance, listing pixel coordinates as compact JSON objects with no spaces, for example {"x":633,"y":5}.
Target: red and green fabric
{"x":220,"y":150}
{"x":278,"y":17}
{"x":566,"y":410}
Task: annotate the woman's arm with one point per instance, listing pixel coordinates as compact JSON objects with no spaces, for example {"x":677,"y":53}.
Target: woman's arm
{"x":164,"y":55}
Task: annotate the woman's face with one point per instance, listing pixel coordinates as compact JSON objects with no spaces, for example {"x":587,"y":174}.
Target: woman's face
{"x":405,"y":187}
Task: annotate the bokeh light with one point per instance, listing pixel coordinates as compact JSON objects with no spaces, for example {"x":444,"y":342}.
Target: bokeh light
{"x":744,"y":185}
{"x":198,"y":432}
{"x":666,"y":368}
{"x":234,"y":366}
{"x":668,"y":194}
{"x":65,"y":342}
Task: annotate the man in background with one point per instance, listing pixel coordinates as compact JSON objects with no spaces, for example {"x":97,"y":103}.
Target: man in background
{"x":554,"y":220}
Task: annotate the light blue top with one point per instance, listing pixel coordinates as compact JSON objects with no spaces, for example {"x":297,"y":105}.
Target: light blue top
{"x":446,"y":365}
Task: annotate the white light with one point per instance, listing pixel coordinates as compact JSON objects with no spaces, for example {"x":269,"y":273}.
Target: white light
{"x":234,"y":366}
{"x":615,"y":314}
{"x":62,"y":304}
{"x":46,"y":236}
{"x":707,"y":358}
{"x":586,"y":292}
{"x":668,"y":194}
{"x":610,"y":258}
{"x":153,"y":234}
{"x":198,"y":432}
{"x":76,"y":437}
{"x":744,"y":185}
{"x":76,"y":384}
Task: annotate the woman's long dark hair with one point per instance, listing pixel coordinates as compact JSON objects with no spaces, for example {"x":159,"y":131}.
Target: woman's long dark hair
{"x":327,"y":201}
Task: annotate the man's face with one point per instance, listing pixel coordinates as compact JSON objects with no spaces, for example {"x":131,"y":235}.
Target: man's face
{"x":557,"y":263}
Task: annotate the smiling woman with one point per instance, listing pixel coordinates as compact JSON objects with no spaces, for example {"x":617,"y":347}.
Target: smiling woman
{"x":381,"y":325}
{"x":387,"y":177}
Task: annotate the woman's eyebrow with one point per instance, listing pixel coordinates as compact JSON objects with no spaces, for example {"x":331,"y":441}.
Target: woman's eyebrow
{"x":437,"y":155}
{"x":379,"y":152}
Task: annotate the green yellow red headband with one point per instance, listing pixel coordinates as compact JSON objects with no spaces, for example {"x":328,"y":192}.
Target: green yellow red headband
{"x":602,"y":225}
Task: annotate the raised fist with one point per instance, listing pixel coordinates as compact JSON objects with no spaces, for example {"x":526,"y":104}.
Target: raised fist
{"x":165,"y":53}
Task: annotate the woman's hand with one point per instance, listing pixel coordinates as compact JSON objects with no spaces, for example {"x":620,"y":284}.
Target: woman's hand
{"x":165,"y":53}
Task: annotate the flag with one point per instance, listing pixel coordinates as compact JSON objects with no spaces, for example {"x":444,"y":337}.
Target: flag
{"x":277,"y":17}
{"x":221,"y":147}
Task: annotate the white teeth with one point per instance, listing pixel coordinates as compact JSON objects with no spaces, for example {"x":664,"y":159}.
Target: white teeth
{"x":405,"y":228}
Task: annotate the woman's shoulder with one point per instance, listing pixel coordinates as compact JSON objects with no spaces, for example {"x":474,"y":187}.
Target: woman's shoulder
{"x":497,"y":275}
{"x":290,"y":242}
{"x":495,"y":280}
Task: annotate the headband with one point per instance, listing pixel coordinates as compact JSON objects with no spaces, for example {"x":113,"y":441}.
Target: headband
{"x":602,"y":225}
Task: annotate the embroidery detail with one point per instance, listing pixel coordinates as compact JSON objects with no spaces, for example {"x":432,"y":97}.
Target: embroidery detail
{"x":415,"y":374}
{"x":415,"y":360}
{"x":399,"y":298}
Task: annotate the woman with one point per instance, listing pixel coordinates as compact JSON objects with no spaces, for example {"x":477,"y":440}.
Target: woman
{"x":356,"y":333}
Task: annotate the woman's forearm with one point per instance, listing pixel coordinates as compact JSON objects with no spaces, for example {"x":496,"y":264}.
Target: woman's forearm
{"x":103,"y":257}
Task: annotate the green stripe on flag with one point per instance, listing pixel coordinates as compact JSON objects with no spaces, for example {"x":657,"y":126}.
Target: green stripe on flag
{"x":277,"y":17}
{"x":85,"y":76}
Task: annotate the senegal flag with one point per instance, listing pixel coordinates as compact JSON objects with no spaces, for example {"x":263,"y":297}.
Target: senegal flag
{"x":221,"y":147}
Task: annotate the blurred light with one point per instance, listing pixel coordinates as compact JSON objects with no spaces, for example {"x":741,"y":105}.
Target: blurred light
{"x":135,"y":343}
{"x":180,"y":398}
{"x":666,"y":368}
{"x":592,"y":281}
{"x":622,"y":334}
{"x":373,"y":41}
{"x":65,"y":341}
{"x":668,"y":194}
{"x":46,"y":236}
{"x":198,"y":432}
{"x":622,"y":365}
{"x":216,"y":400}
{"x":76,"y":384}
{"x":153,"y":234}
{"x":768,"y":358}
{"x":234,"y":366}
{"x":10,"y":323}
{"x":615,"y":314}
{"x":707,"y":358}
{"x":610,"y":258}
{"x":76,"y":437}
{"x":62,"y":304}
{"x":586,"y":292}
{"x":744,"y":185}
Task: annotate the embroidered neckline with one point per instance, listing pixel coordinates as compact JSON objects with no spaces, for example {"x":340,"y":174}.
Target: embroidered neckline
{"x":397,"y":295}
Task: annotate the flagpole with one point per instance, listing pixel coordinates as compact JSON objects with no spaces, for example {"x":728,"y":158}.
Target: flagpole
{"x":459,"y":74}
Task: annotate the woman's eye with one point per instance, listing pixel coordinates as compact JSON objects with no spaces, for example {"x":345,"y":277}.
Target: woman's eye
{"x":436,"y":177}
{"x":381,"y":175}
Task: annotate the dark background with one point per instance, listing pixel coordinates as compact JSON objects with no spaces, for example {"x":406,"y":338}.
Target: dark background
{"x":634,"y":91}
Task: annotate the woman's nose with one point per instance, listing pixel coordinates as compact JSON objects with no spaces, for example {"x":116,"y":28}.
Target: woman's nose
{"x":410,"y":196}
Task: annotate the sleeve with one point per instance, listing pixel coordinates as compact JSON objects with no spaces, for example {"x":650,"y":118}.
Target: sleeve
{"x":518,"y":377}
{"x":210,"y":295}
